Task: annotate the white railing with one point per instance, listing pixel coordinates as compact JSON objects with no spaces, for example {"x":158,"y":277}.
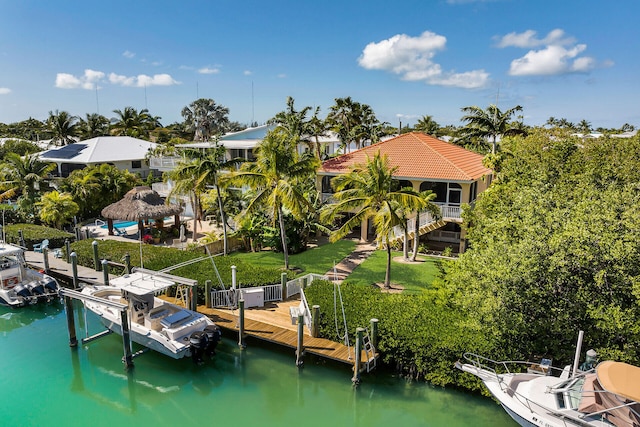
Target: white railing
{"x":164,"y":162}
{"x":445,"y":236}
{"x":307,"y":311}
{"x":229,"y":298}
{"x":425,"y":219}
{"x":450,"y":211}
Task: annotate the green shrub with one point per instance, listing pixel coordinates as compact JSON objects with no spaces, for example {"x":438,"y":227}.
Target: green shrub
{"x":34,"y":234}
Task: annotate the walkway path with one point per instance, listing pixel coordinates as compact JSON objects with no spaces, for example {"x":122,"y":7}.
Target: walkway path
{"x":350,"y":262}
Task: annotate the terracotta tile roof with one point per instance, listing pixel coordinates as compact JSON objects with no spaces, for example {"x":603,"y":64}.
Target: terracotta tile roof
{"x":417,"y":156}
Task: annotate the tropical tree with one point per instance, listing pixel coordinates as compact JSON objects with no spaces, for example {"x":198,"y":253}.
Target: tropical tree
{"x":206,"y":119}
{"x":63,"y":127}
{"x":487,"y":124}
{"x":275,"y":175}
{"x":293,"y":122}
{"x":57,"y":209}
{"x":368,"y":192}
{"x":354,"y":122}
{"x":196,"y":175}
{"x":431,"y":208}
{"x":24,"y":176}
{"x":427,"y":125}
{"x":317,"y":128}
{"x":94,"y":125}
{"x":131,"y":122}
{"x":584,"y":126}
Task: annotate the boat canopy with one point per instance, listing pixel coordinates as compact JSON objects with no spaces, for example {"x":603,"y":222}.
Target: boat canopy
{"x":142,"y":283}
{"x":620,"y":378}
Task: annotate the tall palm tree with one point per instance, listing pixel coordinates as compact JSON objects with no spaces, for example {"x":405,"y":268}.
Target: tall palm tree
{"x":367,"y":192}
{"x":490,"y":123}
{"x":206,"y":119}
{"x":353,"y":122}
{"x":57,"y":208}
{"x":317,"y":129}
{"x":131,"y":122}
{"x":94,"y":125}
{"x":24,"y":176}
{"x":63,"y":127}
{"x":291,"y":121}
{"x":198,"y":175}
{"x":275,"y":176}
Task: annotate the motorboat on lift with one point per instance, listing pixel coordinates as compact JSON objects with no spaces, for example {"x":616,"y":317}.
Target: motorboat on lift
{"x":153,"y":322}
{"x":21,"y":285}
{"x":607,"y":395}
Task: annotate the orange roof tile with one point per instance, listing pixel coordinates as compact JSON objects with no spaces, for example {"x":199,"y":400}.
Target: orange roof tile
{"x":417,"y":156}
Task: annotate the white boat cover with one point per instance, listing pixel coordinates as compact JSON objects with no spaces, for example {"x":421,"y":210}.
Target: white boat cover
{"x":141,"y":283}
{"x":7,"y":249}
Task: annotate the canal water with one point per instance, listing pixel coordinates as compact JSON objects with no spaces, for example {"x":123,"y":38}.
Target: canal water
{"x":44,"y":382}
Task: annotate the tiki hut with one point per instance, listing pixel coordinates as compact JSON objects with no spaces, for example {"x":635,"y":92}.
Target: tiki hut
{"x":140,"y":204}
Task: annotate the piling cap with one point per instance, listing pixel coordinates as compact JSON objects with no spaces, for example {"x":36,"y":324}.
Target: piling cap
{"x":591,"y":353}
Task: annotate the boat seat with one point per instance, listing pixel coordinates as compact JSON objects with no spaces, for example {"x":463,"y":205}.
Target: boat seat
{"x":173,"y":320}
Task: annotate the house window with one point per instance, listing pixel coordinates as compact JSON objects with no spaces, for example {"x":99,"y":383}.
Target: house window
{"x":440,"y":188}
{"x":136,"y":164}
{"x":455,"y":194}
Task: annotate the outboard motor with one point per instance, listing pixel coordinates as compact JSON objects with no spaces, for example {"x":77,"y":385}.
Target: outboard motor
{"x":214,"y":336}
{"x":50,"y":284}
{"x":23,"y":291}
{"x":198,"y":341}
{"x":36,"y":288}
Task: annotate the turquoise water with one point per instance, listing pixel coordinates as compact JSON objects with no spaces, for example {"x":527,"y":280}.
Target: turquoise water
{"x":44,"y":382}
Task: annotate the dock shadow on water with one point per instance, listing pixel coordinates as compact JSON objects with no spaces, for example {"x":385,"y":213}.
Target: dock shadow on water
{"x":56,"y":385}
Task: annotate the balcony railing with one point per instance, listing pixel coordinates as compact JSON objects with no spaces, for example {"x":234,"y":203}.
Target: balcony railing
{"x":164,"y":163}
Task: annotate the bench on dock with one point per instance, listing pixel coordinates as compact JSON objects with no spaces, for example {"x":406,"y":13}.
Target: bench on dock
{"x":294,"y":312}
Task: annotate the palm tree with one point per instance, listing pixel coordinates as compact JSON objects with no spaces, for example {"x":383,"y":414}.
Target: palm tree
{"x":94,"y":125}
{"x":197,"y":175}
{"x":275,"y":176}
{"x":367,"y":192}
{"x":428,"y":196}
{"x":57,"y":208}
{"x":291,"y":121}
{"x":487,"y":124}
{"x":132,"y":122}
{"x":206,"y":118}
{"x":353,"y":122}
{"x":25,"y":176}
{"x":63,"y":127}
{"x":584,"y":126}
{"x":427,"y":125}
{"x":317,"y":129}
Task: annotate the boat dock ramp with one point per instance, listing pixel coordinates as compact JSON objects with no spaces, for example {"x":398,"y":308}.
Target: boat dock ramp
{"x":272,"y":323}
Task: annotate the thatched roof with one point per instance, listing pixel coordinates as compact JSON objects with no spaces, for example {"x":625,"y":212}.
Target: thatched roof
{"x":140,"y":203}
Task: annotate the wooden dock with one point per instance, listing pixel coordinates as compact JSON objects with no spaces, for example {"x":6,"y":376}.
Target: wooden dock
{"x":271,"y":323}
{"x":228,"y":320}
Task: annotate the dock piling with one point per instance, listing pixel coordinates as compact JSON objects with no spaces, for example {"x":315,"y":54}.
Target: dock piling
{"x":300,"y":346}
{"x":67,"y":248}
{"x":207,"y":293}
{"x":71,"y":322}
{"x":74,"y":269}
{"x":241,"y":342}
{"x":105,"y":272}
{"x":356,"y":367}
{"x":126,"y":340}
{"x":45,"y":256}
{"x":96,"y":259}
{"x":374,"y":332}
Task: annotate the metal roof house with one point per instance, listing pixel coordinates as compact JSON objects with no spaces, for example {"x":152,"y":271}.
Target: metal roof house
{"x":454,"y":174}
{"x":124,"y":152}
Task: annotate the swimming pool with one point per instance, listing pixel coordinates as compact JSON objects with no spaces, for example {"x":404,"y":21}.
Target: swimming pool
{"x":121,"y":224}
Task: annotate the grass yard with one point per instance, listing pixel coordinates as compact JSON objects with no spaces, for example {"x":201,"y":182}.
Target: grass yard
{"x":317,"y":260}
{"x":413,"y":277}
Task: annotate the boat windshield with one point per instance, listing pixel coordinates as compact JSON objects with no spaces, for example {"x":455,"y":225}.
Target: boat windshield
{"x":574,"y":393}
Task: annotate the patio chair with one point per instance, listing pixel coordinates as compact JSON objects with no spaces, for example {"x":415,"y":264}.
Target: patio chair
{"x":38,"y":247}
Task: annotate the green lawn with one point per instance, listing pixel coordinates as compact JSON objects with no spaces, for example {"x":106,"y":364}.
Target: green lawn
{"x":414,"y":277}
{"x":317,"y":260}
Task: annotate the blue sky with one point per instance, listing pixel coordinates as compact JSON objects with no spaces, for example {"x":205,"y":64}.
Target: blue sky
{"x":405,"y":58}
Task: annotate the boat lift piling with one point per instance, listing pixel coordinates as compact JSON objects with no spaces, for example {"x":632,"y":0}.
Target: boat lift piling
{"x":70,"y":294}
{"x":300,"y":342}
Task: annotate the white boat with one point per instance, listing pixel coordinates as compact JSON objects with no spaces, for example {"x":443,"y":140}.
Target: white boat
{"x":153,"y":322}
{"x":21,"y":285}
{"x":607,"y":395}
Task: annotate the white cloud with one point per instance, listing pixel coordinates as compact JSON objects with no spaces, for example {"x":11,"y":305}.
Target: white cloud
{"x":4,"y":90}
{"x":87,"y":81}
{"x":208,"y":70}
{"x":282,"y":76}
{"x":128,"y":54}
{"x":247,"y":73}
{"x":412,"y":59}
{"x":558,"y":54}
{"x":142,"y":80}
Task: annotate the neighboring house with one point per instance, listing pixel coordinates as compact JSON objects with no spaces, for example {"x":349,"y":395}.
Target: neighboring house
{"x":123,"y":152}
{"x":454,"y":174}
